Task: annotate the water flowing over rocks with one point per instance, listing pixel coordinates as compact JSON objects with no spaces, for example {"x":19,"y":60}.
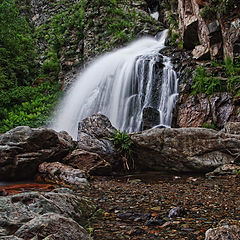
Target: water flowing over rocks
{"x":23,"y":148}
{"x":42,"y":215}
{"x":185,"y":149}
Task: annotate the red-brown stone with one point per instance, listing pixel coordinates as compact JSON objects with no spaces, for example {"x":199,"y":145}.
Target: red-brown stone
{"x":19,"y":188}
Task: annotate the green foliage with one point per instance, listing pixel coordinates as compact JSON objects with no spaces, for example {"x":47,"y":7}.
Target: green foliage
{"x":209,"y":12}
{"x":17,"y":47}
{"x":217,"y":8}
{"x":175,"y":37}
{"x":205,"y":83}
{"x":28,"y":105}
{"x":209,"y":125}
{"x":233,"y":73}
{"x":123,"y":142}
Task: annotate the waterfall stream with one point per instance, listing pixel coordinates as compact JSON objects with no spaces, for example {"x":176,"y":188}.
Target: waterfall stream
{"x":120,"y":85}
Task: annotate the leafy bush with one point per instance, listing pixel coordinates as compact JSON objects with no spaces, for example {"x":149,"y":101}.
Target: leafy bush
{"x":31,"y":106}
{"x":17,"y":47}
{"x":123,"y":143}
{"x":205,"y":83}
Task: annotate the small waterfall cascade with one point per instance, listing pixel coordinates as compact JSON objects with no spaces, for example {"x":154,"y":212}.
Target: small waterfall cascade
{"x":120,"y":85}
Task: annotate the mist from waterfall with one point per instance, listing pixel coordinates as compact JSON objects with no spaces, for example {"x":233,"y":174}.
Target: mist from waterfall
{"x":120,"y":85}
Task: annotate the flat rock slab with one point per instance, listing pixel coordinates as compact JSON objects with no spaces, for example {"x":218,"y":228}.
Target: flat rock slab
{"x":185,"y":149}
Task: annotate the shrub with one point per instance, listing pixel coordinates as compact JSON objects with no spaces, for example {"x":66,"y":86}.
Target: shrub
{"x":205,"y":83}
{"x":31,"y":106}
{"x":123,"y":143}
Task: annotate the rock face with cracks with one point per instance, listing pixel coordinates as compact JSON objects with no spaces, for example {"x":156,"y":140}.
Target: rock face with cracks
{"x":185,"y":149}
{"x":57,"y":215}
{"x":23,"y":148}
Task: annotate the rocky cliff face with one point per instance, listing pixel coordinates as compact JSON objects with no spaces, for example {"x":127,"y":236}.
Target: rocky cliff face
{"x":207,"y":33}
{"x":76,"y":31}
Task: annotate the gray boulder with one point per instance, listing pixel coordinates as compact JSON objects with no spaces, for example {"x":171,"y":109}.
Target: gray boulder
{"x":185,"y":149}
{"x":52,"y":226}
{"x":23,"y":148}
{"x":25,"y":215}
{"x":227,"y":232}
{"x":93,"y":136}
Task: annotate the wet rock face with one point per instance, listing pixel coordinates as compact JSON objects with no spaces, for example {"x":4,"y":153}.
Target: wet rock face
{"x":54,"y":214}
{"x":150,"y":117}
{"x":22,"y":149}
{"x":93,"y":136}
{"x":184,"y":149}
{"x":196,"y":110}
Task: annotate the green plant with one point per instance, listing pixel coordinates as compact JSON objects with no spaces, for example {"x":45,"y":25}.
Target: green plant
{"x":209,"y":12}
{"x":203,"y":82}
{"x":209,"y":125}
{"x":28,"y":105}
{"x":123,"y":143}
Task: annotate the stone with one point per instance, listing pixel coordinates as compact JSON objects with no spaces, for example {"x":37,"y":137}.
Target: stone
{"x":89,"y":162}
{"x":201,"y":52}
{"x":59,"y":173}
{"x":52,"y":226}
{"x":232,"y":127}
{"x":151,"y":117}
{"x":223,"y":233}
{"x":193,"y":111}
{"x":184,"y":149}
{"x":221,"y":107}
{"x":93,"y":136}
{"x":176,"y":212}
{"x":23,"y":148}
{"x":226,"y":169}
{"x":20,"y":214}
{"x":196,"y":110}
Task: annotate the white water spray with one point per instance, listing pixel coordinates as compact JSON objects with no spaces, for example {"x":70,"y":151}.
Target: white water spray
{"x":120,"y":85}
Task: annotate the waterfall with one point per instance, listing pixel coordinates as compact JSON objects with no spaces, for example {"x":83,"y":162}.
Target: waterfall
{"x":120,"y":85}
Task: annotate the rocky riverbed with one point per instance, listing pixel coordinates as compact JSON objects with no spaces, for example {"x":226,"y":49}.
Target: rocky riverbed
{"x":138,"y":206}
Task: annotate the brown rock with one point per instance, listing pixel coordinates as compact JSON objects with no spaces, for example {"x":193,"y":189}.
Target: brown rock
{"x":89,"y":162}
{"x":196,"y":110}
{"x":59,"y":173}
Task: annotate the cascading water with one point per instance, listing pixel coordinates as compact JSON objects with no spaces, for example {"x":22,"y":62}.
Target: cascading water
{"x":120,"y":85}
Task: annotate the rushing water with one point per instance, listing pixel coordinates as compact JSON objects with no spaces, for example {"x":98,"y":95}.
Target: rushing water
{"x":120,"y":85}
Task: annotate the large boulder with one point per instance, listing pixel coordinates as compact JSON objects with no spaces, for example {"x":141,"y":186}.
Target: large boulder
{"x":94,"y":133}
{"x":58,"y":213}
{"x":184,"y":149}
{"x":59,"y":173}
{"x":23,"y":148}
{"x":89,"y":162}
{"x":52,"y":226}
